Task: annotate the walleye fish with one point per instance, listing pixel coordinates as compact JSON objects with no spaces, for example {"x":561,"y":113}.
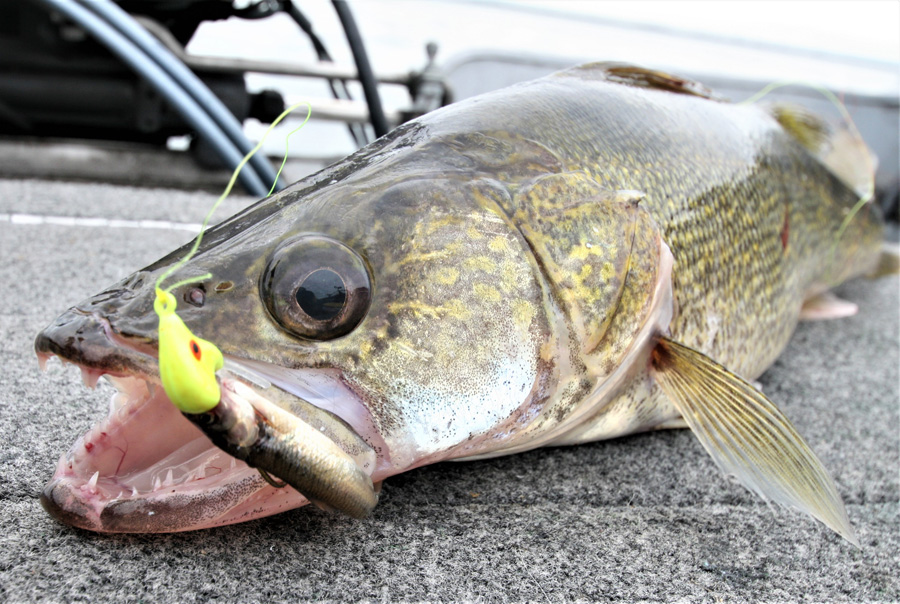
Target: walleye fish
{"x":600,"y":252}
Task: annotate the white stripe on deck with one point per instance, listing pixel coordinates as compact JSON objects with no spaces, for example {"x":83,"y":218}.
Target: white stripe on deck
{"x":112,"y":223}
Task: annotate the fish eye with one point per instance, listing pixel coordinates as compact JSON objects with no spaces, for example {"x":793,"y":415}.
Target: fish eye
{"x":322,"y":294}
{"x":316,"y":287}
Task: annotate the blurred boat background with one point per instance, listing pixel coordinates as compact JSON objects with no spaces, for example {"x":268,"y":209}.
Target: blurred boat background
{"x":70,"y":109}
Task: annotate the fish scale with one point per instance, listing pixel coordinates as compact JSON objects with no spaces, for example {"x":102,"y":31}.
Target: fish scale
{"x":722,"y":195}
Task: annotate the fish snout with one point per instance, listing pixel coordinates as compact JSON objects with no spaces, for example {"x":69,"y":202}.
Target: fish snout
{"x":89,"y":341}
{"x":114,"y":330}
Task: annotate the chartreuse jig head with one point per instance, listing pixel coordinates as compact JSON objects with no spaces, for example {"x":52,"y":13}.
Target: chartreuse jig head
{"x":187,"y":363}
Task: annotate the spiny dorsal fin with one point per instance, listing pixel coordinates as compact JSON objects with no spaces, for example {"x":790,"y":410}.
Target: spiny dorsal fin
{"x":747,"y":435}
{"x":632,"y":75}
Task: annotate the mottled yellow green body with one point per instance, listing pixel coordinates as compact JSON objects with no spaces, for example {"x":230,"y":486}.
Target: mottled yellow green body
{"x":531,"y":267}
{"x":527,"y":247}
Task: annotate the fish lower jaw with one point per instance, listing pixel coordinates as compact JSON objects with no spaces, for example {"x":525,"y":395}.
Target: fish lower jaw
{"x":146,"y":468}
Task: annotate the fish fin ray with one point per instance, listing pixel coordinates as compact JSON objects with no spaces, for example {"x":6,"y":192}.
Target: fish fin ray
{"x":826,"y":306}
{"x":888,"y":262}
{"x":747,"y":435}
{"x":849,"y":158}
{"x":632,"y":75}
{"x":840,"y":149}
{"x":804,"y":126}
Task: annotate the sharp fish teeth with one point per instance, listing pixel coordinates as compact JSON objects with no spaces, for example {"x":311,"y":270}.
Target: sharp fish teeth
{"x":92,"y":483}
{"x":117,"y":401}
{"x":134,"y":491}
{"x":122,"y":414}
{"x":90,"y":377}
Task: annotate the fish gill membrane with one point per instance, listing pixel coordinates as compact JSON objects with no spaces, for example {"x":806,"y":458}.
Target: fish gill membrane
{"x":509,"y":290}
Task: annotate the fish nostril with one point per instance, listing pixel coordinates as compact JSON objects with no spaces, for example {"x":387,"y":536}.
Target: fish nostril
{"x":135,"y":282}
{"x":224,"y":286}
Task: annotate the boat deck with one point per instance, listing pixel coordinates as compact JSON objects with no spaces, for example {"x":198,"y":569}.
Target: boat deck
{"x":646,"y":517}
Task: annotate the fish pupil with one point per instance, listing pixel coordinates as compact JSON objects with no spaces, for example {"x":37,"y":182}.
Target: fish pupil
{"x":322,"y":295}
{"x":195,"y":349}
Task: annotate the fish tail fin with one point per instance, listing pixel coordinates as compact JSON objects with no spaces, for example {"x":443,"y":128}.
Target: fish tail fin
{"x":747,"y":435}
{"x":888,"y":262}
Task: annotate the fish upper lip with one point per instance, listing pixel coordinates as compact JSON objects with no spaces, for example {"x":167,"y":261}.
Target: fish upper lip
{"x":126,"y":501}
{"x":88,"y":340}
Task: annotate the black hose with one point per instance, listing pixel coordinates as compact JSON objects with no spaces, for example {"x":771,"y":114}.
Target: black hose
{"x":300,"y":19}
{"x":338,"y":87}
{"x":163,"y":82}
{"x":364,"y":69}
{"x":187,"y":80}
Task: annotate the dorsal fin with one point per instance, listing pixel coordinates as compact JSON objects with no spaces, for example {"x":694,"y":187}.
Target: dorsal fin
{"x":849,"y":159}
{"x":632,"y":75}
{"x":841,"y":150}
{"x":808,"y":129}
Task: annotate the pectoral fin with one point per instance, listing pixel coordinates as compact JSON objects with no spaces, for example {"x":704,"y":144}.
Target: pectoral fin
{"x":747,"y":435}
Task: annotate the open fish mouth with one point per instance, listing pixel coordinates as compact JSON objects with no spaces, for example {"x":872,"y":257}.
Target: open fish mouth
{"x":148,"y":468}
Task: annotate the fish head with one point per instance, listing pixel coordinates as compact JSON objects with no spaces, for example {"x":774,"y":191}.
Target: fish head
{"x":399,"y":317}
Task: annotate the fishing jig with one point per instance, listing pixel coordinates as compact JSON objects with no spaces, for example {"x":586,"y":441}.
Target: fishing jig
{"x":188,"y":363}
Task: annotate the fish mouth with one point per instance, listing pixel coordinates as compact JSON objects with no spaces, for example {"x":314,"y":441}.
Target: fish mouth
{"x":146,"y":467}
